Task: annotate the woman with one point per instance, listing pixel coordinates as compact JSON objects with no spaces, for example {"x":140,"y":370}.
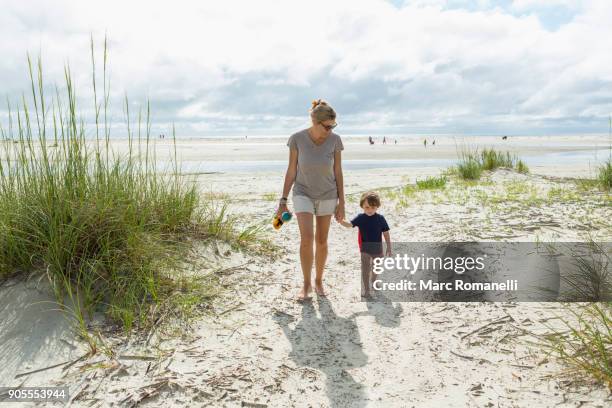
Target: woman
{"x":315,"y":172}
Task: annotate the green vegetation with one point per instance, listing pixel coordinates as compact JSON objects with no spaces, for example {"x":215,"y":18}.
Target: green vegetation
{"x":604,"y":175}
{"x":521,"y":167}
{"x":110,"y":231}
{"x":270,"y":196}
{"x":491,"y":159}
{"x":591,"y":279}
{"x":586,"y":344}
{"x":562,"y":194}
{"x":471,"y":164}
{"x":585,"y":184}
{"x":432,"y":183}
{"x":409,"y":190}
{"x":469,"y":167}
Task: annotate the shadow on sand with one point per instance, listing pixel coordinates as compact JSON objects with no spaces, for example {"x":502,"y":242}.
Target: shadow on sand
{"x":34,"y":333}
{"x":385,"y":313}
{"x":331,"y":344}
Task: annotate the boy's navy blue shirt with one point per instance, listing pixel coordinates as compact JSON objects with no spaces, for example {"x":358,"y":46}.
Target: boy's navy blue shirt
{"x":370,"y":232}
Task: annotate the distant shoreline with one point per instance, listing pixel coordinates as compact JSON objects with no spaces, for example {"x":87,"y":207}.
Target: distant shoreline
{"x":569,"y":155}
{"x":602,"y":136}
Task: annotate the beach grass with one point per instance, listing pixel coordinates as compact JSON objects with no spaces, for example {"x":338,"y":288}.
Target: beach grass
{"x":432,"y":183}
{"x":471,"y":163}
{"x":604,"y":175}
{"x":521,"y":167}
{"x":591,"y":277}
{"x":110,"y":231}
{"x":584,"y":340}
{"x":469,"y":167}
{"x":564,"y":195}
{"x":586,"y":184}
{"x":584,"y":345}
{"x":491,"y":159}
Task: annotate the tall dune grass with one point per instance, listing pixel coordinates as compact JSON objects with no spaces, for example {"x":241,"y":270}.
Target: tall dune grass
{"x":491,"y":159}
{"x":604,"y":175}
{"x":521,"y":167}
{"x":584,"y":341}
{"x":469,"y":167}
{"x":604,"y":172}
{"x":109,"y":230}
{"x":472,"y":163}
{"x":585,"y":344}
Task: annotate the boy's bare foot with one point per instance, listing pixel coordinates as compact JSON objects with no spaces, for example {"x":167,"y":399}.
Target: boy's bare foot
{"x":319,"y":288}
{"x":374,"y":279}
{"x":366,"y":295}
{"x":304,"y":294}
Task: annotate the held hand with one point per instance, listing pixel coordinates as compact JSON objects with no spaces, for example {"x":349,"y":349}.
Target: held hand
{"x":340,"y":212}
{"x":281,"y":209}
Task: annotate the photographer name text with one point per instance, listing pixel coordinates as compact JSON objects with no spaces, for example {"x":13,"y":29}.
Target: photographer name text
{"x":458,"y":285}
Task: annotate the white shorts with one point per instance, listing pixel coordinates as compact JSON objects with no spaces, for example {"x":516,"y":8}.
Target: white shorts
{"x":316,"y":207}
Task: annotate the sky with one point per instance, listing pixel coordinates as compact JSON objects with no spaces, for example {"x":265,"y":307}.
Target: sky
{"x":532,"y":67}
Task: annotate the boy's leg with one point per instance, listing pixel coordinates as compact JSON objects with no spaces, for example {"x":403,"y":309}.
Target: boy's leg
{"x":366,"y":268}
{"x":373,"y":276}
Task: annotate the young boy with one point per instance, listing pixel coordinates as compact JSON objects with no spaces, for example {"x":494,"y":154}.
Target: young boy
{"x":372,"y":227}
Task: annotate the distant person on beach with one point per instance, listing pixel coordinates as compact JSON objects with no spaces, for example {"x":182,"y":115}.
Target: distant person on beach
{"x":425,"y":142}
{"x":371,"y":141}
{"x":434,"y":142}
{"x":384,"y":140}
{"x":315,"y":172}
{"x":372,"y":226}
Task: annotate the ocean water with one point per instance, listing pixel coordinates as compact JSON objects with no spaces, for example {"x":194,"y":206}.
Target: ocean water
{"x":592,"y":157}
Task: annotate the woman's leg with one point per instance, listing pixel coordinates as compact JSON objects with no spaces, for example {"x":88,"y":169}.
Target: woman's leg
{"x":306,"y":239}
{"x":323,"y":223}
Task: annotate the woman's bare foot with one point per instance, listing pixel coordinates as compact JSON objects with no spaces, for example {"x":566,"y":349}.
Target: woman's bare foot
{"x":304,"y":294}
{"x":319,"y":288}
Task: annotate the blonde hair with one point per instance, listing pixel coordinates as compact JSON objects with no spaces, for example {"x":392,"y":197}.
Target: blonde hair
{"x":322,"y":111}
{"x":371,"y":197}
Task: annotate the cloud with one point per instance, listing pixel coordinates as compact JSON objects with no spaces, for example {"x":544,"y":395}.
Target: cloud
{"x":534,"y":4}
{"x":239,"y":66}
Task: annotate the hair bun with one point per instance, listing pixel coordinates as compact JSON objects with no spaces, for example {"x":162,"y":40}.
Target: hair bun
{"x":317,"y":102}
{"x":321,"y":110}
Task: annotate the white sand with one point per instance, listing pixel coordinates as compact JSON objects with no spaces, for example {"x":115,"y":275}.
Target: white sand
{"x":261,"y":347}
{"x":357,"y":147}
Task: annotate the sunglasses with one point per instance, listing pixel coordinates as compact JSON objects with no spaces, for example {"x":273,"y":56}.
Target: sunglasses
{"x":329,"y":127}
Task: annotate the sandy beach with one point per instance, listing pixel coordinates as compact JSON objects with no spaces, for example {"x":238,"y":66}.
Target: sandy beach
{"x":143,"y":157}
{"x":575,"y":156}
{"x":257,"y":347}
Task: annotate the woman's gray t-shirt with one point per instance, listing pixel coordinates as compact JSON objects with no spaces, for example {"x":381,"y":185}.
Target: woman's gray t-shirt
{"x":315,"y":169}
